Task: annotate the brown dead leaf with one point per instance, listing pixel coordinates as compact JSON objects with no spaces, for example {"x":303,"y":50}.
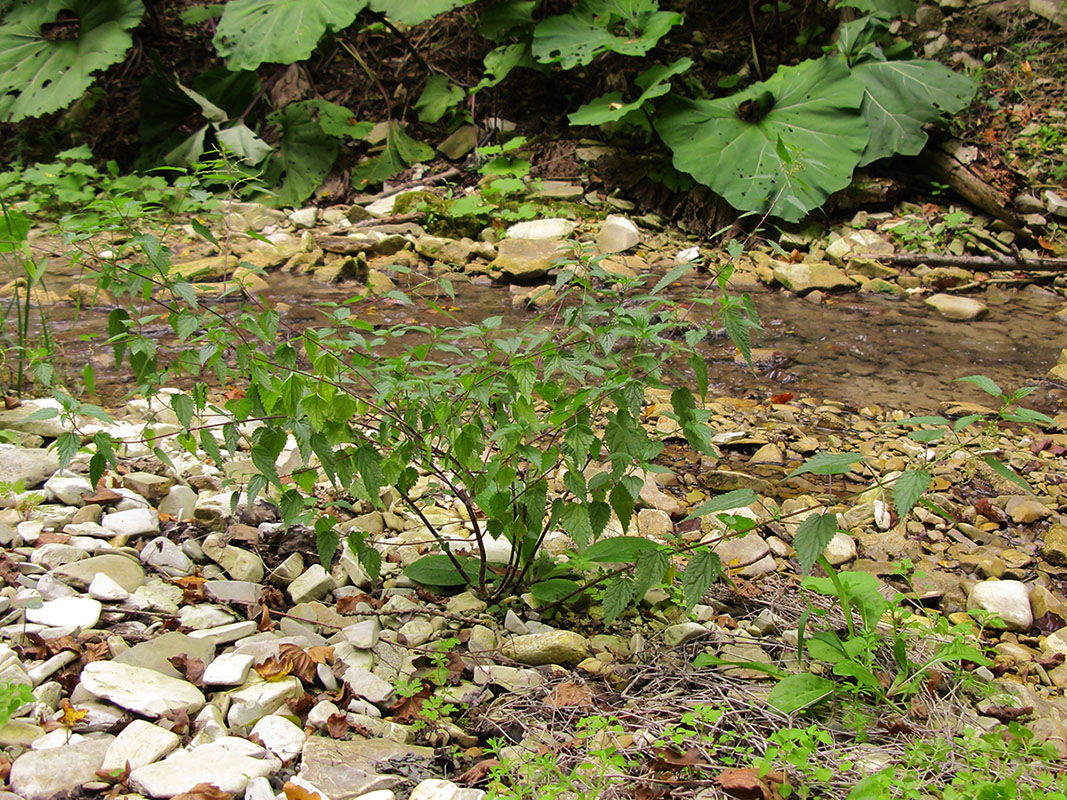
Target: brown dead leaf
{"x":9,"y":573}
{"x":119,"y":776}
{"x":204,"y":791}
{"x":95,"y":651}
{"x":192,"y":589}
{"x":895,"y":725}
{"x":274,"y":669}
{"x":51,"y":537}
{"x":934,"y":680}
{"x":1050,"y":660}
{"x":295,"y":792}
{"x":5,"y":769}
{"x":320,"y":654}
{"x":348,"y":603}
{"x":918,"y":709}
{"x":667,"y":759}
{"x":266,"y":624}
{"x":191,"y":668}
{"x":301,"y":705}
{"x":175,"y":721}
{"x":303,"y":665}
{"x":478,"y":773}
{"x":337,"y":725}
{"x":1008,"y":713}
{"x":102,"y":497}
{"x":409,"y":709}
{"x":745,"y":783}
{"x":11,"y":401}
{"x":569,"y":695}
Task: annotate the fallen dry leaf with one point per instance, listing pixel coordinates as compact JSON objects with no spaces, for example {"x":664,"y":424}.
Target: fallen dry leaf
{"x":569,"y":695}
{"x":409,"y":709}
{"x":303,"y":665}
{"x":918,"y":709}
{"x":70,"y":715}
{"x":5,"y":769}
{"x":301,"y":705}
{"x":119,"y":776}
{"x":667,"y":759}
{"x":192,"y":589}
{"x":320,"y":654}
{"x":745,"y":783}
{"x":274,"y":668}
{"x":337,"y":725}
{"x":175,"y":721}
{"x":478,"y":773}
{"x":1008,"y":713}
{"x":191,"y":668}
{"x":204,"y":791}
{"x":294,"y":791}
{"x":51,"y":537}
{"x":102,"y":497}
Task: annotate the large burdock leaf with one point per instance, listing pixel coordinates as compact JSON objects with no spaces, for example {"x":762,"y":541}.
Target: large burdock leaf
{"x":50,"y":49}
{"x":412,"y":12}
{"x":303,"y":153}
{"x":253,"y":32}
{"x":655,"y":82}
{"x":783,"y":145}
{"x":629,"y":27}
{"x":901,"y":97}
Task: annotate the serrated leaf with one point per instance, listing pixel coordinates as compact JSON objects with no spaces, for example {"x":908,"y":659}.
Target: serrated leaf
{"x":1007,"y":472}
{"x":618,"y":550}
{"x":67,"y":445}
{"x":701,"y":572}
{"x":618,"y":593}
{"x":622,"y":502}
{"x":39,"y":75}
{"x":438,"y":570}
{"x":987,"y":385}
{"x":650,"y":569}
{"x":554,"y":589}
{"x":326,"y":542}
{"x":827,"y":464}
{"x":369,"y":468}
{"x":734,"y":499}
{"x":908,"y":488}
{"x":811,"y":538}
{"x":814,"y":109}
{"x":267,"y":444}
{"x":210,"y":445}
{"x":254,"y":32}
{"x":800,"y":691}
{"x":575,"y":523}
{"x":182,"y":404}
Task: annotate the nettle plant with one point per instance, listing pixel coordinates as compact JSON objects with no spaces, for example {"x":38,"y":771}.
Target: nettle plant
{"x":529,"y":432}
{"x":863,"y":647}
{"x":781,"y":145}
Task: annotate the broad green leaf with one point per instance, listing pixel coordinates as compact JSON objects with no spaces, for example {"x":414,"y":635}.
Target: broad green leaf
{"x":14,"y":229}
{"x":674,"y":274}
{"x":908,"y":488}
{"x":731,"y":144}
{"x":326,"y":542}
{"x":798,"y":692}
{"x":901,"y":97}
{"x":500,"y":61}
{"x":618,"y":550}
{"x":438,"y":570}
{"x":197,"y":14}
{"x":894,"y":8}
{"x":987,"y":385}
{"x":210,"y":446}
{"x":735,"y":499}
{"x":629,"y":27}
{"x":924,"y":420}
{"x":1007,"y":472}
{"x":1029,"y":415}
{"x":254,"y":32}
{"x":243,"y":143}
{"x":554,"y":589}
{"x":610,"y":108}
{"x":498,"y":20}
{"x":701,"y":572}
{"x":926,"y":436}
{"x":651,"y":568}
{"x":875,"y":787}
{"x":575,"y":523}
{"x":267,"y":444}
{"x":622,"y":503}
{"x":617,"y":596}
{"x":963,"y":422}
{"x":811,"y":538}
{"x":183,"y":408}
{"x":338,"y":121}
{"x":303,"y":155}
{"x":437,"y":98}
{"x":400,"y":151}
{"x":827,"y":464}
{"x":40,"y":73}
{"x":412,"y":12}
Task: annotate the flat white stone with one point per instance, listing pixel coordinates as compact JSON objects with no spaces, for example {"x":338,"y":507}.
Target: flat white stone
{"x":44,"y":774}
{"x":256,"y":701}
{"x":106,"y":590}
{"x":66,"y":612}
{"x":141,"y":690}
{"x":439,"y":789}
{"x":229,"y":669}
{"x":280,"y":736}
{"x":57,"y":738}
{"x":133,"y":522}
{"x":617,"y":234}
{"x":226,"y":633}
{"x":140,"y":743}
{"x":210,"y":763}
{"x":367,"y":685}
{"x":67,"y":488}
{"x":203,"y":616}
{"x":312,"y":585}
{"x":552,"y":228}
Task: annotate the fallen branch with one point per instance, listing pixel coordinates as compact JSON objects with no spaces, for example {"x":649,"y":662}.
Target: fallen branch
{"x":1023,"y":263}
{"x":970,"y":186}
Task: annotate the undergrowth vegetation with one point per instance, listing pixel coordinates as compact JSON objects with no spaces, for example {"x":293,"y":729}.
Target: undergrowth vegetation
{"x":782,"y":144}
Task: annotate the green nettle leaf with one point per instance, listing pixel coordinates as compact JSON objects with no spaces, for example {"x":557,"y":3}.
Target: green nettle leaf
{"x":575,"y":523}
{"x":651,"y":568}
{"x":253,"y":32}
{"x":400,"y":151}
{"x":987,"y":385}
{"x":1007,"y":472}
{"x":326,"y":542}
{"x":304,"y":154}
{"x":735,"y":499}
{"x":609,"y":108}
{"x":267,"y":444}
{"x":901,"y":97}
{"x":622,"y":502}
{"x":811,"y":538}
{"x":41,"y":73}
{"x":799,"y":691}
{"x":908,"y":488}
{"x":703,"y":569}
{"x":438,"y":570}
{"x":210,"y":446}
{"x":827,"y":464}
{"x":437,"y":99}
{"x":594,"y":27}
{"x":67,"y":446}
{"x":412,"y":12}
{"x":183,"y":408}
{"x":618,"y":550}
{"x":732,"y":144}
{"x":554,"y":589}
{"x":617,"y":596}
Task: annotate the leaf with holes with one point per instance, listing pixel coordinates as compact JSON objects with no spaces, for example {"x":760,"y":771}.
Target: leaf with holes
{"x":41,"y":71}
{"x":782,"y":146}
{"x":655,"y":82}
{"x":400,"y":151}
{"x":901,"y":97}
{"x":629,"y":27}
{"x":412,"y":12}
{"x":303,"y":155}
{"x":254,"y":32}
